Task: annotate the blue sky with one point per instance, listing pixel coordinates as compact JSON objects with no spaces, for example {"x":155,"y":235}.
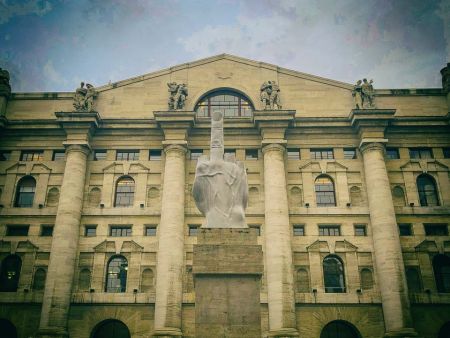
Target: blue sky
{"x":51,"y":45}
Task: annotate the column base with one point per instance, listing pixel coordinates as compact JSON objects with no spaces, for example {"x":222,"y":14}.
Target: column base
{"x":283,"y":333}
{"x":403,"y":333}
{"x":52,"y":333}
{"x":167,"y":332}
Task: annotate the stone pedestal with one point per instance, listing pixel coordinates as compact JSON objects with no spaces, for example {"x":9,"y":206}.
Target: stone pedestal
{"x":227,"y":272}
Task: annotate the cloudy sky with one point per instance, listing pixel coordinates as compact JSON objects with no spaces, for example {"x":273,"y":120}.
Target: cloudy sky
{"x":51,"y":45}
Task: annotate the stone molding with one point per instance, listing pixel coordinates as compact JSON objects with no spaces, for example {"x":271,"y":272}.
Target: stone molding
{"x":180,"y":148}
{"x":372,"y":146}
{"x":274,"y":147}
{"x":82,"y":148}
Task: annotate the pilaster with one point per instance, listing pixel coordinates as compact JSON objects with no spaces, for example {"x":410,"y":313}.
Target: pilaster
{"x":278,"y":250}
{"x":62,"y":265}
{"x":170,"y":264}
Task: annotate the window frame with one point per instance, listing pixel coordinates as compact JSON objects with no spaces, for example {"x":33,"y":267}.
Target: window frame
{"x":126,"y":230}
{"x":193,"y":230}
{"x":296,"y":230}
{"x":59,"y":155}
{"x":207,"y":104}
{"x":328,"y":227}
{"x":251,"y":154}
{"x":32,"y":155}
{"x":21,"y":194}
{"x":392,"y":153}
{"x":5,"y":155}
{"x":120,"y":153}
{"x":426,"y":195}
{"x":354,"y":155}
{"x":428,"y":226}
{"x":195,"y":154}
{"x":293,"y":154}
{"x":404,"y":225}
{"x":103,"y":153}
{"x":357,"y":227}
{"x":421,"y":153}
{"x":324,"y":153}
{"x":322,"y":194}
{"x":44,"y":231}
{"x":123,"y":268}
{"x":155,"y":155}
{"x":10,"y":228}
{"x":334,"y":289}
{"x":87,"y":228}
{"x":147,"y":227}
{"x":124,"y":193}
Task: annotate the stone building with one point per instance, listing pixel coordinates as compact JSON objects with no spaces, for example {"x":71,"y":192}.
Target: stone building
{"x":98,"y":224}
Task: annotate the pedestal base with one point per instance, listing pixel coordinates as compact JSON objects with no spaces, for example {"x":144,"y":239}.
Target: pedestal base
{"x":227,"y":270}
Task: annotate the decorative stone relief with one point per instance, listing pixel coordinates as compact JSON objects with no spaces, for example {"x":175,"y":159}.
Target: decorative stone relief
{"x":220,"y":187}
{"x":363,"y":94}
{"x":270,"y":95}
{"x":83,"y":99}
{"x":178,"y":94}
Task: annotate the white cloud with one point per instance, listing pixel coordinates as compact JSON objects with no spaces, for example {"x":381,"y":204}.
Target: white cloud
{"x":52,"y":74}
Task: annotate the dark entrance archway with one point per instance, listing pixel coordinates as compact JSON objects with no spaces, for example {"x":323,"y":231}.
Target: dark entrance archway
{"x":110,"y":328}
{"x":339,"y":329}
{"x":7,"y":329}
{"x":444,"y":332}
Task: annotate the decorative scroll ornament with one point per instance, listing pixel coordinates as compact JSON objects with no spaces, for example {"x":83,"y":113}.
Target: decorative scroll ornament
{"x":178,"y":94}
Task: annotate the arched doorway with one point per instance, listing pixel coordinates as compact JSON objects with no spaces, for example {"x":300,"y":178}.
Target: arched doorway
{"x":7,"y":329}
{"x":110,"y":328}
{"x":444,"y":332}
{"x":339,"y":329}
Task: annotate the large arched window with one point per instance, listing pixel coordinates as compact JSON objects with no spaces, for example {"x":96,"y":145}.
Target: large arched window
{"x":339,"y":329}
{"x":25,"y":192}
{"x":325,"y":192}
{"x":230,"y":103}
{"x":333,"y":274}
{"x":116,"y":274}
{"x":428,"y":194}
{"x":441,"y":267}
{"x":124,"y":192}
{"x":10,"y":273}
{"x":111,"y":328}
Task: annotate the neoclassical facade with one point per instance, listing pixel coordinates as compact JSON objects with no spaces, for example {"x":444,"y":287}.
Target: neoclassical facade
{"x":351,"y":206}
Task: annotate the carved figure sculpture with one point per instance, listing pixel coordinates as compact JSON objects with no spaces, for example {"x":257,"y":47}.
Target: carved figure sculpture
{"x":270,"y":95}
{"x":83,"y":99}
{"x":178,"y":95}
{"x":220,"y":187}
{"x":5,"y":87}
{"x":357,"y":95}
{"x":367,"y":94}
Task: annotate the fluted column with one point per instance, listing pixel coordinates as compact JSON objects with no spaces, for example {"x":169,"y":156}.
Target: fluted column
{"x":58,"y":287}
{"x":278,"y":251}
{"x":170,"y":263}
{"x":386,"y":242}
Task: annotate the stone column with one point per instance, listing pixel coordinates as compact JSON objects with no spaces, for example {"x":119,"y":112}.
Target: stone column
{"x":169,"y":285}
{"x":386,"y":242}
{"x":58,"y":287}
{"x":278,"y":251}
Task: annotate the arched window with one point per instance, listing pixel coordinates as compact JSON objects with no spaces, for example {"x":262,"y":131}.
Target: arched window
{"x":7,"y":329}
{"x":94,"y":197}
{"x":39,"y":279}
{"x":398,"y":196}
{"x":111,"y":328}
{"x":444,"y":332}
{"x":124,"y":192}
{"x":147,"y":281}
{"x":333,"y":274}
{"x":366,"y":279}
{"x":302,"y":280}
{"x":441,"y":267}
{"x":295,"y":197}
{"x":413,"y":279}
{"x":116,"y":275}
{"x":53,"y":197}
{"x":325,"y":192}
{"x":25,"y":192}
{"x":10,"y":273}
{"x":428,"y":194}
{"x":339,"y":329}
{"x":355,"y":196}
{"x":84,"y":280}
{"x":230,"y":103}
{"x":253,"y":196}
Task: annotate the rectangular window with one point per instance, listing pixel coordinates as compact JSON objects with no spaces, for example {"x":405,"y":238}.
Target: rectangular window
{"x":446,"y":152}
{"x":349,"y":153}
{"x":47,"y":230}
{"x":230,"y":152}
{"x":299,"y":230}
{"x":322,"y":154}
{"x":193,"y":229}
{"x":120,"y":230}
{"x":392,"y":153}
{"x":127,"y":155}
{"x":360,"y":230}
{"x":5,"y":155}
{"x":59,"y":155}
{"x":17,"y":230}
{"x":99,"y":155}
{"x":329,"y":230}
{"x":293,"y":153}
{"x":32,"y":155}
{"x":195,"y":154}
{"x":155,"y":155}
{"x":251,"y":154}
{"x":257,"y":227}
{"x":405,"y":229}
{"x":90,"y":230}
{"x":436,"y":229}
{"x":150,"y":230}
{"x":420,"y":153}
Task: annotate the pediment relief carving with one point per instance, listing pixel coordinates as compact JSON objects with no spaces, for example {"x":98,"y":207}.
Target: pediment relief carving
{"x":105,"y":246}
{"x":131,"y":246}
{"x":324,"y":166}
{"x":427,"y":246}
{"x":312,"y":167}
{"x":424,"y":166}
{"x":28,"y":168}
{"x":118,"y":246}
{"x":125,"y":168}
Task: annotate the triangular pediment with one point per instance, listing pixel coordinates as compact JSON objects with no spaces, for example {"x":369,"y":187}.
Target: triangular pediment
{"x":427,"y":246}
{"x":131,"y":246}
{"x":26,"y":246}
{"x":318,"y":246}
{"x":125,"y":168}
{"x":28,"y":168}
{"x":105,"y":246}
{"x":424,"y":166}
{"x":345,"y":246}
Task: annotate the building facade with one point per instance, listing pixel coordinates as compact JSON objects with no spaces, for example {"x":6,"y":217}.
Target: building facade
{"x":98,"y":223}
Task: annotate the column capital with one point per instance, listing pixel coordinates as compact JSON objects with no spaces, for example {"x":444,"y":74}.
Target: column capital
{"x":84,"y":148}
{"x":372,"y":145}
{"x":175,"y":147}
{"x":266,"y":147}
{"x":79,"y":126}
